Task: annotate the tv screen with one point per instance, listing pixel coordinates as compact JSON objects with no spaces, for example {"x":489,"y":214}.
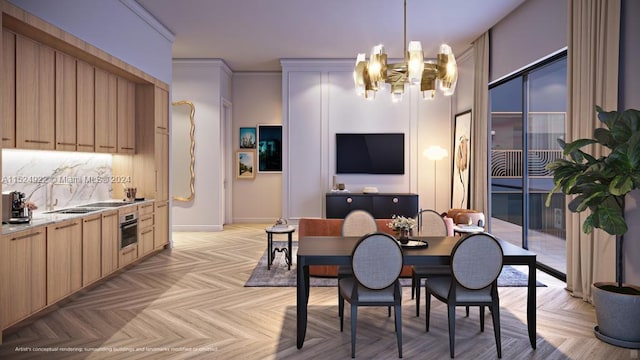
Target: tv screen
{"x":370,"y":153}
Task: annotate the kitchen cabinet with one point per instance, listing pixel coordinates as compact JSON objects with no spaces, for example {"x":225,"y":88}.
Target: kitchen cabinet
{"x":126,"y":116}
{"x":162,"y":166}
{"x":8,"y":89}
{"x":146,"y":229}
{"x":162,"y":110}
{"x":35,"y":95}
{"x":162,"y":224}
{"x":66,"y":89}
{"x":85,"y":116}
{"x":109,"y":242}
{"x":106,"y":122}
{"x":91,"y":248}
{"x":64,"y":259}
{"x":23,"y":262}
{"x":381,"y":206}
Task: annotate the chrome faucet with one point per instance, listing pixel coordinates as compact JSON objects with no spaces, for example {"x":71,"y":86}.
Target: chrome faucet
{"x":50,"y":203}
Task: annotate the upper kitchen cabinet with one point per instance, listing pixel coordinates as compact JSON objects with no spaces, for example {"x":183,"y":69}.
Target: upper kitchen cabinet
{"x":8,"y":88}
{"x":35,"y":95}
{"x":66,"y":89}
{"x":85,"y":107}
{"x":106,"y":122}
{"x":162,"y":110}
{"x":126,"y":116}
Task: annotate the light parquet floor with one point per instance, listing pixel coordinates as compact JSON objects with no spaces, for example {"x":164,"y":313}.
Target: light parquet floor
{"x":190,"y":303}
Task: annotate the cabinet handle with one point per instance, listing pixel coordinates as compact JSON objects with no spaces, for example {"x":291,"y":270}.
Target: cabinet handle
{"x":126,"y":148}
{"x":26,"y":236}
{"x":146,"y":206}
{"x":91,"y":145}
{"x":128,"y":251}
{"x":65,"y":143}
{"x":66,"y":226}
{"x":109,"y":215}
{"x":146,"y":232}
{"x":38,"y":141}
{"x":162,"y":205}
{"x":4,"y":138}
{"x":395,"y":200}
{"x":106,"y":147}
{"x":349,"y":200}
{"x":161,"y":127}
{"x":90,"y":220}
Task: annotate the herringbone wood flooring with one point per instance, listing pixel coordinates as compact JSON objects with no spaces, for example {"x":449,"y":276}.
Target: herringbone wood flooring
{"x":190,"y":303}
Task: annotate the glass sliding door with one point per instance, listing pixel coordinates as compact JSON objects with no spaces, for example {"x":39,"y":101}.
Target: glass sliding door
{"x":527,"y":117}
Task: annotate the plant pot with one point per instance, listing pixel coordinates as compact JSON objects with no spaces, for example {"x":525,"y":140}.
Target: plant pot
{"x":617,"y":314}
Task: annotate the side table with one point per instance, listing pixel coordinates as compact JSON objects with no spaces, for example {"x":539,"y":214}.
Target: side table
{"x":271,"y":252}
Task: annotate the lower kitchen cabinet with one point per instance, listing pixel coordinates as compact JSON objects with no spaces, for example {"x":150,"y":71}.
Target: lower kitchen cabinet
{"x":23,"y":262}
{"x":64,"y":259}
{"x":161,"y":237}
{"x":145,"y":233}
{"x":91,"y":249}
{"x":109,"y":242}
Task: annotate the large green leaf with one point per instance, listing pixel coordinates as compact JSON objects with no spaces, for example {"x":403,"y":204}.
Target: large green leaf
{"x":611,"y":221}
{"x":576,"y":145}
{"x":620,"y":185}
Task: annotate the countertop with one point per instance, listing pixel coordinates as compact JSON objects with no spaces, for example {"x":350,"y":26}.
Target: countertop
{"x":41,"y":218}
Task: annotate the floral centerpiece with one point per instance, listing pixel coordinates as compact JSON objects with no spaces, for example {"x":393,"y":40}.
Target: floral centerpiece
{"x":402,"y":225}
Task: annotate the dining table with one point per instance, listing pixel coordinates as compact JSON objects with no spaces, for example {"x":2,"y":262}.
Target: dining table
{"x":337,"y":250}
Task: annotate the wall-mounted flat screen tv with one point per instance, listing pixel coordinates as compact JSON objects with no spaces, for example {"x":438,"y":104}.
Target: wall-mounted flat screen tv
{"x":370,"y":153}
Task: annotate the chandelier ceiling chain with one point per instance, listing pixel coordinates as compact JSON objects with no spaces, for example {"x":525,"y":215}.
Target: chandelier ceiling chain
{"x":374,"y":74}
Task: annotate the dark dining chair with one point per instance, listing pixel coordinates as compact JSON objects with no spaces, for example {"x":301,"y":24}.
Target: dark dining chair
{"x":476,"y":262}
{"x":377,"y":263}
{"x":356,"y":223}
{"x":431,"y":224}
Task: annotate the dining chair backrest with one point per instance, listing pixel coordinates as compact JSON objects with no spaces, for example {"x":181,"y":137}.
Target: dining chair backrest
{"x":359,"y":223}
{"x":432,"y":224}
{"x":476,"y":261}
{"x":377,"y":261}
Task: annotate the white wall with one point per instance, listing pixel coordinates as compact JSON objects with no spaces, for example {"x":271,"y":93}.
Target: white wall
{"x":319,"y":100}
{"x":257,"y":99}
{"x":112,"y":26}
{"x":205,"y":83}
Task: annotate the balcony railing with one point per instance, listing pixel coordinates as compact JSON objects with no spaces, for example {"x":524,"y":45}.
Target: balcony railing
{"x":508,"y":163}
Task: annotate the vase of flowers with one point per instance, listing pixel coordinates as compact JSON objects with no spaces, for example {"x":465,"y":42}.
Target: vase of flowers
{"x":402,"y":226}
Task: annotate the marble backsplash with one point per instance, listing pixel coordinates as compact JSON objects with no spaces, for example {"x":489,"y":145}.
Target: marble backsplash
{"x":68,"y":178}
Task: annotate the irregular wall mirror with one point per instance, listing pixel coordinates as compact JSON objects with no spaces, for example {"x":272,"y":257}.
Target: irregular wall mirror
{"x":183,"y":147}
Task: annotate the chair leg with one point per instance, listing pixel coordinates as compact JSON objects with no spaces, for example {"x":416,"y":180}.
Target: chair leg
{"x":341,"y":310}
{"x":398,"y":315}
{"x":427,"y":309}
{"x":481,"y":318}
{"x":413,"y":285}
{"x":418,"y":285}
{"x":354,"y":314}
{"x":467,"y":310}
{"x":452,"y":327}
{"x":495,"y":315}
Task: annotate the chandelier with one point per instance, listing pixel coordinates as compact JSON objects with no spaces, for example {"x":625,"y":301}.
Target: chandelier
{"x":375,"y":74}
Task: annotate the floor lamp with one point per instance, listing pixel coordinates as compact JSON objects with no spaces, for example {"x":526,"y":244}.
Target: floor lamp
{"x":435,"y":153}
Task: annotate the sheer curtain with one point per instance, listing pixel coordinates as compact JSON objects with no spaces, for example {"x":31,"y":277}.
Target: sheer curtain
{"x":480,"y":126}
{"x":593,"y":36}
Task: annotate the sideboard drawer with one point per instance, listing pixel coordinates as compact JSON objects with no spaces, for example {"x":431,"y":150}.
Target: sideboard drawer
{"x":381,"y":206}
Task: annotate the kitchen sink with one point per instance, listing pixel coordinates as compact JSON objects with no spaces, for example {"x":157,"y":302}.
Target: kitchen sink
{"x":77,"y":210}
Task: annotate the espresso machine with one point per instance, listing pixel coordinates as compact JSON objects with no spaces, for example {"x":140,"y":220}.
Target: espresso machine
{"x":14,"y":209}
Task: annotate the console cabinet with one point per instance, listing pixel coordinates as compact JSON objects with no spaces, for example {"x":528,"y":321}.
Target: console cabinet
{"x":381,"y":206}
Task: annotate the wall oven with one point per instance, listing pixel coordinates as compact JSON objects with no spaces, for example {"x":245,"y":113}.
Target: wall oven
{"x":128,"y":230}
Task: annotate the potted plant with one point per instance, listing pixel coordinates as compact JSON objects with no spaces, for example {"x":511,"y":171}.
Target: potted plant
{"x":403,"y":226}
{"x":601,"y":185}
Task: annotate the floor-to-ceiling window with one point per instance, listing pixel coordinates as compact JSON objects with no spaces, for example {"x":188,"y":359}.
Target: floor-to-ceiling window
{"x":528,"y":113}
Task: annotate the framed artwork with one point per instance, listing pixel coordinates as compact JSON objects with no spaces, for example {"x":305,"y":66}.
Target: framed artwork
{"x":460,"y":174}
{"x":247,"y":138}
{"x":245,"y":164}
{"x":269,"y":148}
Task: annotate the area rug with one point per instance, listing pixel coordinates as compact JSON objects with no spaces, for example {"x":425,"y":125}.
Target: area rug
{"x":279,"y":276}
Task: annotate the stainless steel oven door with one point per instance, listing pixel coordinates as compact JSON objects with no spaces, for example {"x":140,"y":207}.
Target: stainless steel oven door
{"x":128,"y":230}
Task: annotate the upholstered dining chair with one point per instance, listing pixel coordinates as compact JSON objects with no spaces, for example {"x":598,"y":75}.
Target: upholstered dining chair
{"x":432,"y":224}
{"x":377,"y":263}
{"x":356,"y":223}
{"x":476,"y":262}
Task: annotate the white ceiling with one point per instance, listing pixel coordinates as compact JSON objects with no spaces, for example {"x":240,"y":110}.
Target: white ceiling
{"x":253,"y":35}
